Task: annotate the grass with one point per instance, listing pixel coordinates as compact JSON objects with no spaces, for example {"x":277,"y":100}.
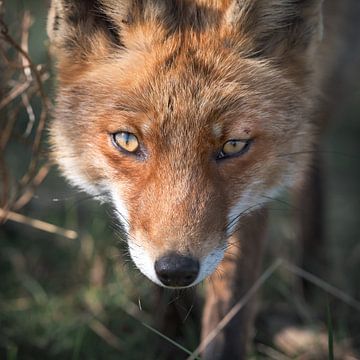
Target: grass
{"x":330,"y":334}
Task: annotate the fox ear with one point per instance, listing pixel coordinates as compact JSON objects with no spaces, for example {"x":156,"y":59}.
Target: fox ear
{"x":79,"y":29}
{"x":275,"y":28}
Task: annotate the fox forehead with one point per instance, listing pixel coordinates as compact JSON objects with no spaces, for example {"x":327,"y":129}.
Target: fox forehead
{"x":212,"y":86}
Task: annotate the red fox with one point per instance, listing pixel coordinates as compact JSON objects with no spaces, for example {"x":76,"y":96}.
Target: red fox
{"x":188,"y":116}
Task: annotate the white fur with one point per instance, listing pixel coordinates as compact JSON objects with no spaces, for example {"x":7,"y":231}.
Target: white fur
{"x":69,"y":166}
{"x":146,"y":264}
{"x":143,"y":261}
{"x":209,"y":264}
{"x":122,"y":211}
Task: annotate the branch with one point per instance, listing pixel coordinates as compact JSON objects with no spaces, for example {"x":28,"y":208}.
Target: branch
{"x":37,"y":224}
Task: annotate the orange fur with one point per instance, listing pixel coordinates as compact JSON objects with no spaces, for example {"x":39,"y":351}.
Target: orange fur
{"x":185,"y":77}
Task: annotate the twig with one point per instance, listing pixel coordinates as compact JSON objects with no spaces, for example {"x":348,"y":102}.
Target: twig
{"x":31,"y":114}
{"x":26,"y":24}
{"x":8,"y":62}
{"x":45,"y":103}
{"x":22,"y":191}
{"x":5,"y":34}
{"x":27,"y":21}
{"x":14,"y":93}
{"x":29,"y":193}
{"x":37,"y":224}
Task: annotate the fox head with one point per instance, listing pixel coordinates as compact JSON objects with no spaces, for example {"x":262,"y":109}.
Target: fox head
{"x":187,"y":115}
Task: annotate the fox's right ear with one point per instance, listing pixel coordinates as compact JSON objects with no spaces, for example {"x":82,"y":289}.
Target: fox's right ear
{"x":83,"y":29}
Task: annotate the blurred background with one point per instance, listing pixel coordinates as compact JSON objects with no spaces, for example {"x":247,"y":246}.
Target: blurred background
{"x":67,"y":287}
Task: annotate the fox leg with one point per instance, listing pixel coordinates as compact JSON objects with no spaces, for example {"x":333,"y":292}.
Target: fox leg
{"x":238,"y":272}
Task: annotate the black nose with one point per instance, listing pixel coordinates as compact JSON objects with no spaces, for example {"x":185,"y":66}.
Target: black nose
{"x":176,"y":270}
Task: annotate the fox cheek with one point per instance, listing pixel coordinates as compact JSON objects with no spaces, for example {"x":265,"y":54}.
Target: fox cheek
{"x":121,"y":208}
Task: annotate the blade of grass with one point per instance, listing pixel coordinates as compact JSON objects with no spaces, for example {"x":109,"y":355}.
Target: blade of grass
{"x":35,"y":289}
{"x":179,"y":346}
{"x":79,"y":339}
{"x":102,"y":331}
{"x":322,"y":284}
{"x":330,"y":333}
{"x":12,"y":352}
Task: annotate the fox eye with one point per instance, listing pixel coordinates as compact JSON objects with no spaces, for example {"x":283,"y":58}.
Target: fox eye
{"x":126,"y":141}
{"x":233,"y":148}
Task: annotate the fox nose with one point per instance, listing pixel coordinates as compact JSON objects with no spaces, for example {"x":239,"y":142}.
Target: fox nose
{"x":176,"y":270}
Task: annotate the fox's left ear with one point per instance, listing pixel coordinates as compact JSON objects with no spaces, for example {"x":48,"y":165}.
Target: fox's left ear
{"x":83,"y":30}
{"x":275,"y":28}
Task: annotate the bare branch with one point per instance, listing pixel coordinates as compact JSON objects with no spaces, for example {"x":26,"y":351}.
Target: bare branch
{"x":24,"y":79}
{"x":37,"y":224}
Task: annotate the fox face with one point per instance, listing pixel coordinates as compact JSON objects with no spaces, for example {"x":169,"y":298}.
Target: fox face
{"x":185,"y":115}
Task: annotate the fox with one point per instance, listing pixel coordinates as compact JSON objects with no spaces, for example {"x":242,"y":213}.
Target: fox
{"x":189,"y":117}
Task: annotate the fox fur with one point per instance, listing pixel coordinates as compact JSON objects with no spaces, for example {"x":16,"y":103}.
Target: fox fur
{"x":185,"y":77}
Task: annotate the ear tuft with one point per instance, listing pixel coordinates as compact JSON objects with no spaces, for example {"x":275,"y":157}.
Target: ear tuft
{"x":76,"y":26}
{"x":276,"y":28}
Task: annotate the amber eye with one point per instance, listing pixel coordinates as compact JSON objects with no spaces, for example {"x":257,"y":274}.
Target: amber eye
{"x":234,"y":147}
{"x":126,"y":141}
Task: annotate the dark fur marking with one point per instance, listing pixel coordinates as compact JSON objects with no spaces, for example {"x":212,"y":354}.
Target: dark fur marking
{"x":201,"y":67}
{"x":56,"y":23}
{"x":170,"y":60}
{"x":170,"y":104}
{"x":89,"y":15}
